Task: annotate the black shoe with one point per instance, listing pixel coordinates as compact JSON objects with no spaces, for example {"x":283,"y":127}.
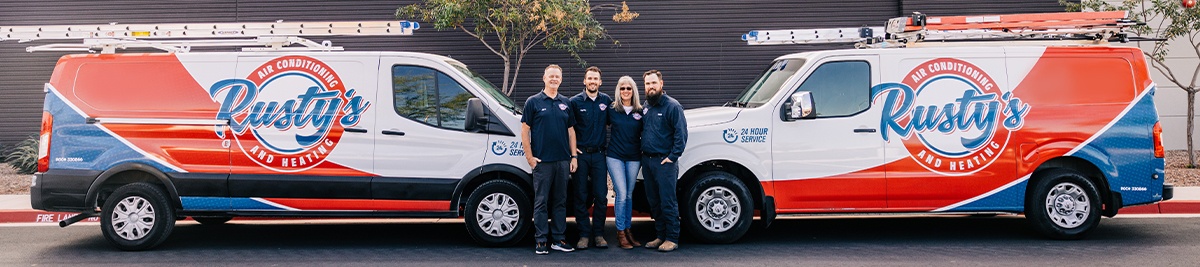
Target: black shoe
{"x":541,"y":249}
{"x":562,"y":245}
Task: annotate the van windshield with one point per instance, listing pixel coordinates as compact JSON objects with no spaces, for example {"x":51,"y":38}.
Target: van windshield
{"x":767,"y":84}
{"x":488,"y":87}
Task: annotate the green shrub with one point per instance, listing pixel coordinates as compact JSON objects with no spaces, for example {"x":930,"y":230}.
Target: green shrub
{"x":24,"y":156}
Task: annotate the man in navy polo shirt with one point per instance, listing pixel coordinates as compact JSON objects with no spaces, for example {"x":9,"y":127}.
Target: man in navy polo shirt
{"x":664,"y":134}
{"x":591,"y":180}
{"x":547,"y":134}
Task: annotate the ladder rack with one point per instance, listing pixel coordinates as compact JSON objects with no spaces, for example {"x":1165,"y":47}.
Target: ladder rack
{"x":180,"y":38}
{"x":1080,"y":28}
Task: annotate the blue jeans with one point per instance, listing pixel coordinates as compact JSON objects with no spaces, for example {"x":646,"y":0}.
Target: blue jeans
{"x":623,"y":174}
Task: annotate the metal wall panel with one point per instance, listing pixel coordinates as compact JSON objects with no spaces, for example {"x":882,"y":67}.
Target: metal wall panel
{"x":959,"y":7}
{"x":23,"y":74}
{"x":695,"y":43}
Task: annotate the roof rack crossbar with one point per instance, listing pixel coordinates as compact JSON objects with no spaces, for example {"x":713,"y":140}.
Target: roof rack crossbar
{"x":179,"y":38}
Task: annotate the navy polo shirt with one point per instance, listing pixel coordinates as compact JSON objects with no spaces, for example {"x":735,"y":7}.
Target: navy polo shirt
{"x":626,"y":132}
{"x":548,"y":120}
{"x":590,"y":118}
{"x":664,"y":130}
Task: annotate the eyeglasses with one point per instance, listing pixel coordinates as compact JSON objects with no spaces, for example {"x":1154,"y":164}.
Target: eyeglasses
{"x":626,"y":88}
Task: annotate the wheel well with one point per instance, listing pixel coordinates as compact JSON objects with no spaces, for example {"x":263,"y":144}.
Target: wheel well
{"x":1084,"y":167}
{"x":128,"y":177}
{"x":474,"y":183}
{"x":741,"y":172}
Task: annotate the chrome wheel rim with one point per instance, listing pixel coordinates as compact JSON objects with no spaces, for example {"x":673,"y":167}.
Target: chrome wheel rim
{"x":718,"y":209}
{"x":1068,"y":205}
{"x":497,"y":214}
{"x":133,"y":218}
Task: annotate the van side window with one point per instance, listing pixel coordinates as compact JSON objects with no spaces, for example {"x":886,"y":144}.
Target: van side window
{"x":839,"y":88}
{"x":429,"y":96}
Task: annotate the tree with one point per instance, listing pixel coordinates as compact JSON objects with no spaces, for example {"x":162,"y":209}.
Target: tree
{"x":510,"y":28}
{"x":1167,"y":21}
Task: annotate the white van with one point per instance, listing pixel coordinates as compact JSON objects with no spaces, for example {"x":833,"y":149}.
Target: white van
{"x":145,"y":139}
{"x":1062,"y":131}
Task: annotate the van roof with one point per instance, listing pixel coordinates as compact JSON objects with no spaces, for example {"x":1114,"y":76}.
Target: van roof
{"x":278,"y":53}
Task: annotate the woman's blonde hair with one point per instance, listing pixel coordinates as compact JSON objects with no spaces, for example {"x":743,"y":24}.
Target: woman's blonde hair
{"x":636,"y":102}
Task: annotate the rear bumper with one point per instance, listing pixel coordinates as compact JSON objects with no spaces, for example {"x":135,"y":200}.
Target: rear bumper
{"x":35,"y":193}
{"x":62,"y":190}
{"x":1168,"y":192}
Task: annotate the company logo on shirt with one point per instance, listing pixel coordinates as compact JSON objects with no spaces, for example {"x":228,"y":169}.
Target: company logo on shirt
{"x":289,"y":114}
{"x":562,"y":106}
{"x":603,"y":107}
{"x":955,"y":122}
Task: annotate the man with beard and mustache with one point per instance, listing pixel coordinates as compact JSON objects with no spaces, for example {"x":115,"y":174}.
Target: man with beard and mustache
{"x":548,"y":137}
{"x":591,"y":178}
{"x":664,"y":134}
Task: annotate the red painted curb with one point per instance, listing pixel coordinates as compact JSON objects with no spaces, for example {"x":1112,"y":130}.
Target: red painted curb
{"x":37,"y":216}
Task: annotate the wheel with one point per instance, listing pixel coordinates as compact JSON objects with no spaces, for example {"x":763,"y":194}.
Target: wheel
{"x":718,"y":208}
{"x":215,"y":220}
{"x":498,"y":213}
{"x":137,"y":217}
{"x":1063,"y":204}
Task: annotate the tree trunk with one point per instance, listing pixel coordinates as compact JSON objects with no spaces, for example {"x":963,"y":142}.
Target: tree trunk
{"x":507,"y":90}
{"x":1191,"y":126}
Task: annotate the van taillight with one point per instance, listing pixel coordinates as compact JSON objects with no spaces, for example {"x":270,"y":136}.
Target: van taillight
{"x":43,"y":162}
{"x":1159,"y":152}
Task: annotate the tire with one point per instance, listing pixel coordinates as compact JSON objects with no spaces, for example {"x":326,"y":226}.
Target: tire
{"x":137,"y":216}
{"x":718,"y":208}
{"x":216,"y":220}
{"x":498,"y":214}
{"x":1063,"y":204}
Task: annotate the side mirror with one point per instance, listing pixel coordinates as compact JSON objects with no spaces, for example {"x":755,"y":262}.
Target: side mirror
{"x":476,"y":117}
{"x":801,"y":106}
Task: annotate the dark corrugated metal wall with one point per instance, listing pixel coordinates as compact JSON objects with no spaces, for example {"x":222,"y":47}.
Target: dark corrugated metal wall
{"x":958,"y":7}
{"x":695,"y":43}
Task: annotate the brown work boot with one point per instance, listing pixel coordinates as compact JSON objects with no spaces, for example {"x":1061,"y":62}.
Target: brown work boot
{"x":632,"y":241}
{"x":600,"y":243}
{"x":623,"y":240}
{"x":668,"y":246}
{"x":583,"y":243}
{"x":654,"y":244}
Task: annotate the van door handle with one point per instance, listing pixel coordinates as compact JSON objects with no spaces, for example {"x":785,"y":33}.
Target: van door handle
{"x":867,"y":130}
{"x":356,"y":130}
{"x":393,"y":132}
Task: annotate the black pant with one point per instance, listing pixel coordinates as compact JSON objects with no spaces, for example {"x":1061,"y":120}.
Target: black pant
{"x":591,"y":191}
{"x":660,"y":182}
{"x":550,"y":184}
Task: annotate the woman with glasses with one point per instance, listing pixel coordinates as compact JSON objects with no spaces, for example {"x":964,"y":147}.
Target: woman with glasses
{"x":624,"y":154}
